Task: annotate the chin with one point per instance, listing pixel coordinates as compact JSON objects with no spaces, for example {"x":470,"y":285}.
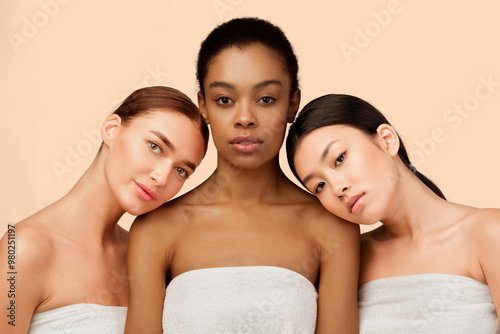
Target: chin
{"x":135,"y":210}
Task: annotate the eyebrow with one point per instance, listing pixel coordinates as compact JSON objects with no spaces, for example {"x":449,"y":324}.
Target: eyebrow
{"x":267,"y":83}
{"x":323,"y":157}
{"x":224,"y":84}
{"x":163,"y":139}
{"x":327,"y":149}
{"x":169,"y":144}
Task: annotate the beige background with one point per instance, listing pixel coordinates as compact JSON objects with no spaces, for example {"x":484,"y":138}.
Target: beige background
{"x":66,"y":64}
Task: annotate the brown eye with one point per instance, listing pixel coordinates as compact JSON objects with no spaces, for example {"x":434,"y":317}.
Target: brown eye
{"x":267,"y":99}
{"x":223,"y":100}
{"x":319,"y":187}
{"x":182,"y":172}
{"x":155,"y":147}
{"x":339,"y":159}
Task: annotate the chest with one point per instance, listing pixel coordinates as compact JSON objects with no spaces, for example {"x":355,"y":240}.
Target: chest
{"x":74,"y":277}
{"x":443,"y":254}
{"x":253,"y":237}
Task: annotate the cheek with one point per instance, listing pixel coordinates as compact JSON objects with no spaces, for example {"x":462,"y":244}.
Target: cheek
{"x":174,"y":185}
{"x":332,"y":203}
{"x":277,"y":122}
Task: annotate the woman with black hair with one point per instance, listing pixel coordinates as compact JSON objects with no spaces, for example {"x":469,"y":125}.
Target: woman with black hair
{"x":247,"y":251}
{"x":432,"y":267}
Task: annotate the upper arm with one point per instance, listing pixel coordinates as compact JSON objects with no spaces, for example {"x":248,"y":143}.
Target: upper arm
{"x":147,"y":262}
{"x":338,"y":282}
{"x":20,"y":284}
{"x":489,"y":253}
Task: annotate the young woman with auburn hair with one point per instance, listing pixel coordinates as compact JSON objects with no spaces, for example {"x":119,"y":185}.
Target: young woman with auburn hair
{"x":71,"y":269}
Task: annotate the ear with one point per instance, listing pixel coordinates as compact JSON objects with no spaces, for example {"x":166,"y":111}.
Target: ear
{"x":203,"y":108}
{"x":388,"y":139}
{"x":294,"y":106}
{"x":109,"y":128}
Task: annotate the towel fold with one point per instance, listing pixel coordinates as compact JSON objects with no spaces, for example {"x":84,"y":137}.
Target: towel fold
{"x":426,"y":303}
{"x":80,"y":318}
{"x":252,"y":299}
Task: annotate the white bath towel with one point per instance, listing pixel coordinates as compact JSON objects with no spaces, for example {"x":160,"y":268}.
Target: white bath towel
{"x":254,"y":299}
{"x":426,"y":303}
{"x":80,"y":318}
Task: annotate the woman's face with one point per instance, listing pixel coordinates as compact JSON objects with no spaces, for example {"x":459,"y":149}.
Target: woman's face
{"x":247,"y":102}
{"x":150,"y":157}
{"x":351,"y":173}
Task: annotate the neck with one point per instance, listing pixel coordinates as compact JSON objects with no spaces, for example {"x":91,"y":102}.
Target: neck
{"x":91,"y":207}
{"x":248,"y":186}
{"x":415,"y":209}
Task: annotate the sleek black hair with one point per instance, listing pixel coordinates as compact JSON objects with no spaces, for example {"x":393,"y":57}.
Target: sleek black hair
{"x":242,"y":32}
{"x":340,"y":109}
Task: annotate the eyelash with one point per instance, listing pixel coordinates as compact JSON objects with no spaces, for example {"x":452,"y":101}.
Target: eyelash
{"x":337,"y":162}
{"x":271,"y":99}
{"x":219,"y":99}
{"x":341,"y":157}
{"x":153,"y":146}
{"x":181,"y":171}
{"x":316,"y":191}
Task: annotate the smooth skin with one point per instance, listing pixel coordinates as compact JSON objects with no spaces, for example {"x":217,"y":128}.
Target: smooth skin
{"x":421,"y":232}
{"x":73,"y":251}
{"x":247,"y":213}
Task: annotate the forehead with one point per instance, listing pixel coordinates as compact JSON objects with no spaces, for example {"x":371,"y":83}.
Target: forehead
{"x":252,"y":63}
{"x":315,"y":141}
{"x":160,"y":119}
{"x":339,"y":131}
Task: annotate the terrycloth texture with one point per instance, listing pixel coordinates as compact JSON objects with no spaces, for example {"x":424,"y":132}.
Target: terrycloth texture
{"x":255,"y":299}
{"x":80,"y":318}
{"x":426,"y":303}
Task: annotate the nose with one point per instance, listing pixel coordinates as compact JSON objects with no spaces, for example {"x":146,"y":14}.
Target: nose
{"x":341,"y":186}
{"x":245,"y":116}
{"x":161,"y":172}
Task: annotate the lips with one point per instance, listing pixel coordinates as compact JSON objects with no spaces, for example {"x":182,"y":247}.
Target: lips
{"x":145,"y":192}
{"x":246,"y":144}
{"x":355,"y":203}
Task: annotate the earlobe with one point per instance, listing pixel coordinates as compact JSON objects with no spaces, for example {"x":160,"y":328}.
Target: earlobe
{"x":203,"y":108}
{"x":294,"y":106}
{"x":109,"y":128}
{"x":388,"y":139}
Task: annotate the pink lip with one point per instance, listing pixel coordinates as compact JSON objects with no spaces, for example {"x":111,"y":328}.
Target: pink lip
{"x":246,"y":144}
{"x":145,"y":192}
{"x":355,"y":203}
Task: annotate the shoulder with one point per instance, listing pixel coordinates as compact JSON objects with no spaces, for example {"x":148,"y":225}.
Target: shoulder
{"x":33,"y":244}
{"x":483,"y":224}
{"x":488,"y":216}
{"x":165,"y":222}
{"x":323,"y":224}
{"x":28,"y":250}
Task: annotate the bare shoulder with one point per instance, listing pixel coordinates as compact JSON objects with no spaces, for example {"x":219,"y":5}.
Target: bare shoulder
{"x":487,"y":216}
{"x":166,"y":221}
{"x":34,"y":245}
{"x":484,"y":224}
{"x":323,"y":222}
{"x":27,"y":250}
